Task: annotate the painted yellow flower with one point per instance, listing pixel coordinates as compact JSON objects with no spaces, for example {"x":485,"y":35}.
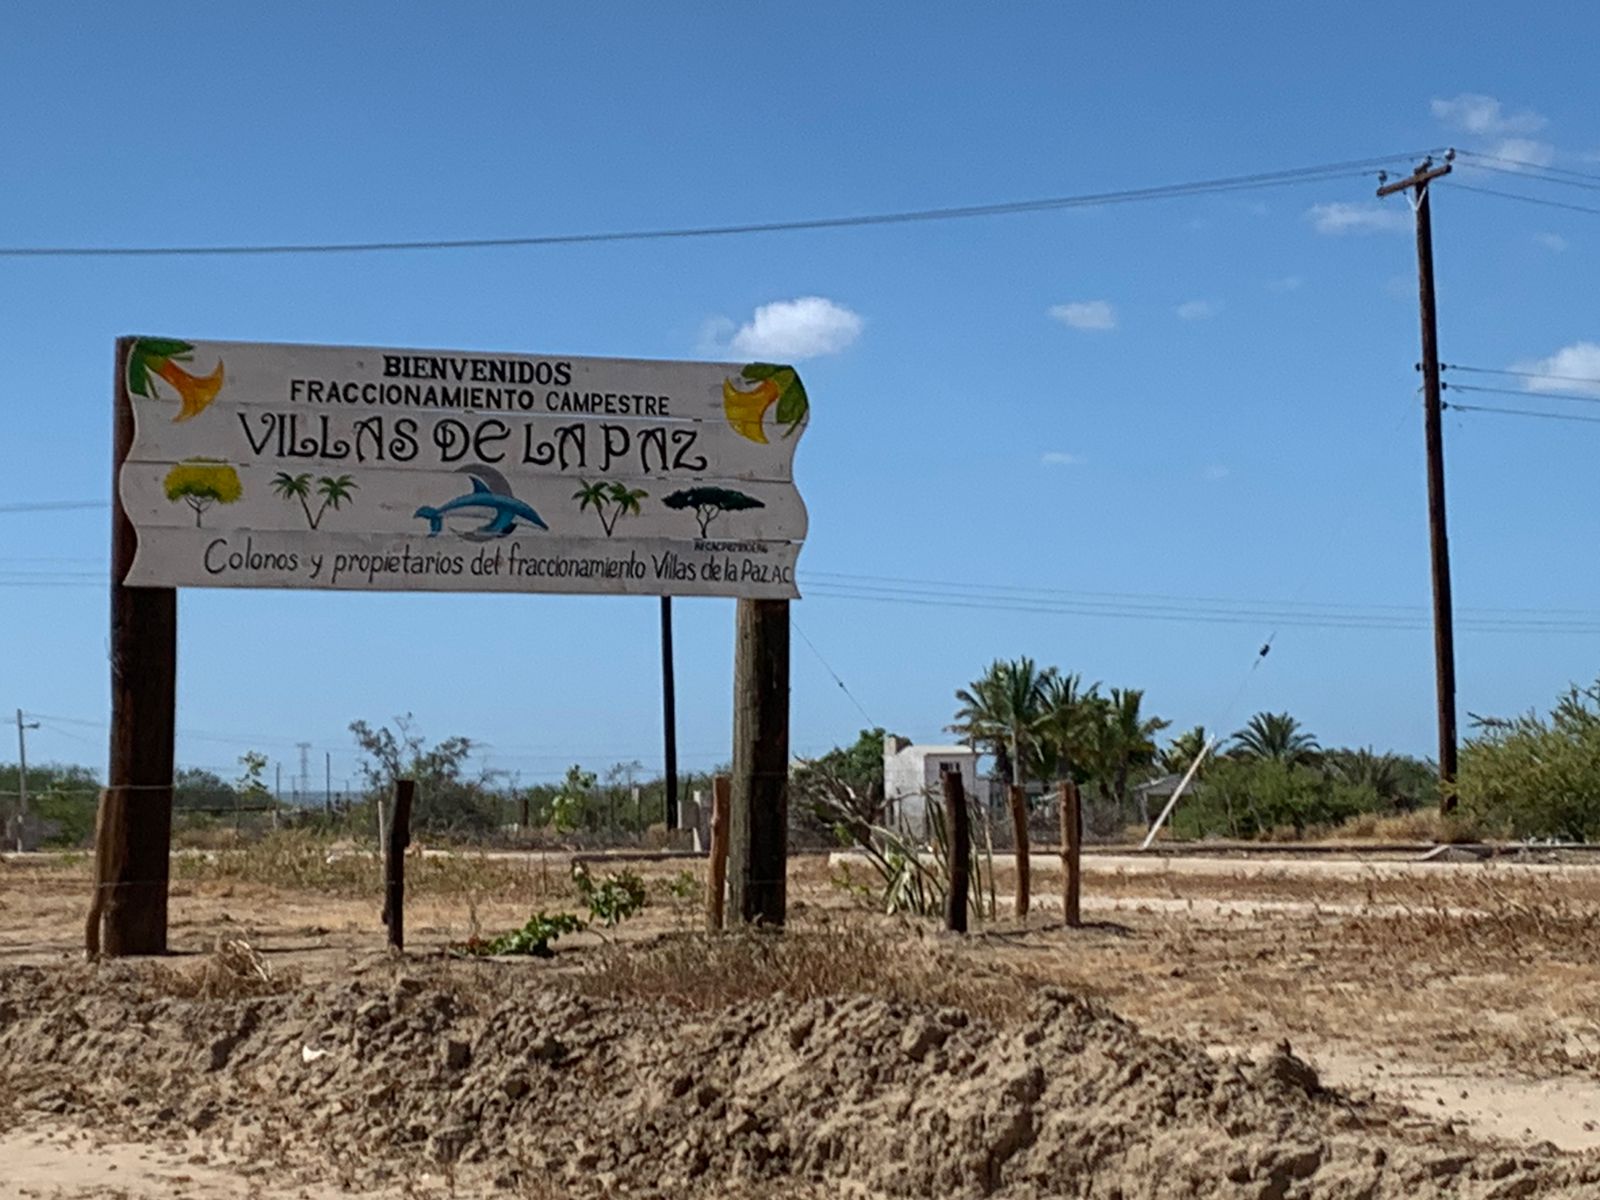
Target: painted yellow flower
{"x":747,"y":410}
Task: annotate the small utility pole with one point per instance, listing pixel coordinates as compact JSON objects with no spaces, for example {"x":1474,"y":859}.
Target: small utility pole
{"x":1444,"y":651}
{"x":669,"y":714}
{"x":22,"y":780}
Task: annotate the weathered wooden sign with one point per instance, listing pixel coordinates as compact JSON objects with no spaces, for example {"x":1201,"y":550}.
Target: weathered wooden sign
{"x":256,"y":465}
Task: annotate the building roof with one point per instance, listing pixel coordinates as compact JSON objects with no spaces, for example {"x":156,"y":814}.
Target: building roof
{"x":928,"y":748}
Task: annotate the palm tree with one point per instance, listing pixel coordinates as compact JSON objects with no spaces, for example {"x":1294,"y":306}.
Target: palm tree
{"x":1005,"y":710}
{"x":1124,"y":738}
{"x":596,"y":495}
{"x":1366,"y":768}
{"x":1275,"y":737}
{"x":1066,"y":726}
{"x":601,"y":494}
{"x":295,"y":487}
{"x":1182,"y":750}
{"x":334,"y":492}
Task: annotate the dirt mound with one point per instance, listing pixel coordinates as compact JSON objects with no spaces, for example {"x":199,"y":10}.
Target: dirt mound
{"x":534,"y":1087}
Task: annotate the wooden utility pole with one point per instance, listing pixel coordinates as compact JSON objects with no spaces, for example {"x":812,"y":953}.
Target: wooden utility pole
{"x":717,"y":866}
{"x":22,"y":780}
{"x":1071,"y":852}
{"x":958,"y":829}
{"x":1019,"y":824}
{"x":669,"y":714}
{"x":758,"y":840}
{"x":394,"y":863}
{"x":136,"y":818}
{"x":1444,"y":652}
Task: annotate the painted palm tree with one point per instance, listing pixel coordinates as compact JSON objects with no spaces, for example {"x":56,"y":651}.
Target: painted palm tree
{"x":1005,"y":710}
{"x":1124,"y":738}
{"x":602,"y":496}
{"x":334,"y":490}
{"x":1275,"y":737}
{"x":295,"y":487}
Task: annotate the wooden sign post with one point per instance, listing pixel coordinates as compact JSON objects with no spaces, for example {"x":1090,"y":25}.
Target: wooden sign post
{"x":136,"y":817}
{"x":1071,"y":852}
{"x":959,"y":833}
{"x":758,"y":844}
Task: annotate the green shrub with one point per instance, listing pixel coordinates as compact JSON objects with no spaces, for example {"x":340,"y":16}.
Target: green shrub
{"x":1538,"y":776}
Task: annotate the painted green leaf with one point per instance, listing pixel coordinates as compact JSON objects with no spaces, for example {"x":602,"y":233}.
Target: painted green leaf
{"x":138,"y":374}
{"x":162,"y":347}
{"x":793,"y":404}
{"x":759,"y":371}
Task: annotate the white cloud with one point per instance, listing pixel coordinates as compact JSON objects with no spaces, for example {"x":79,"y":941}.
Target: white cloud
{"x":1215,"y":473}
{"x":785,"y":331}
{"x":1551,"y":241}
{"x":1060,"y":458}
{"x":1086,"y":314}
{"x":1574,"y":368}
{"x":1472,"y":112}
{"x":1198,"y":310}
{"x":1345,"y":217}
{"x":1525,"y":151}
{"x":1289,"y":283}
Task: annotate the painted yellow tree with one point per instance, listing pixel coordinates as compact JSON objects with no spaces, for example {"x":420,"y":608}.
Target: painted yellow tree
{"x":202,"y":482}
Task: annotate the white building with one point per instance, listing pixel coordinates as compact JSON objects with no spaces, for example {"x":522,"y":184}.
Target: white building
{"x":911,"y":777}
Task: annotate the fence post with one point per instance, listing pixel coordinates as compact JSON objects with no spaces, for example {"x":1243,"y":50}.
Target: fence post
{"x":1019,"y":823}
{"x":959,"y":849}
{"x":1071,"y":852}
{"x":394,"y":863}
{"x":717,"y":873}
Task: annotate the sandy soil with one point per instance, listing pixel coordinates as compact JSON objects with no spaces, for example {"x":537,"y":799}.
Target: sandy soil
{"x":1469,"y":993}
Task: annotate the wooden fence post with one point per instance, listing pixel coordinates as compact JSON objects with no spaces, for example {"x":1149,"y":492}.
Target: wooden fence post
{"x":717,"y":871}
{"x":394,"y":863}
{"x":959,"y":848}
{"x":132,"y":868}
{"x":1071,"y":852}
{"x":1019,"y":823}
{"x":758,"y":830}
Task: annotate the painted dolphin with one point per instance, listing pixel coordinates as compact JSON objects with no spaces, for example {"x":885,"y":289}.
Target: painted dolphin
{"x":490,"y":494}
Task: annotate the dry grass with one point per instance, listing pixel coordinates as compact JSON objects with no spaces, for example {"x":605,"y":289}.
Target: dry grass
{"x":299,"y":862}
{"x":1421,"y":825}
{"x":232,"y":971}
{"x":703,"y":972}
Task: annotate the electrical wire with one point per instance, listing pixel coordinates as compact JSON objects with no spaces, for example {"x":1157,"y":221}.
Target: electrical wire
{"x":1523,"y":166}
{"x":1521,"y":412}
{"x":1263,"y":179}
{"x":31,"y":506}
{"x":795,"y":625}
{"x":1521,"y":374}
{"x":1576,"y":397}
{"x":1483,"y":191}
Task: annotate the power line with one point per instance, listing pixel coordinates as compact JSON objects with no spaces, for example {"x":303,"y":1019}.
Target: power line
{"x":1523,"y":393}
{"x":1483,"y":191}
{"x":1523,"y":374}
{"x":1521,"y":412}
{"x":1294,"y":175}
{"x":52,"y":505}
{"x":859,"y":706}
{"x":1524,"y":165}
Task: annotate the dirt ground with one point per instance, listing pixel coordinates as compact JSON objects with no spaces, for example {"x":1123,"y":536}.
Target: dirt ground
{"x":1442,"y":1017}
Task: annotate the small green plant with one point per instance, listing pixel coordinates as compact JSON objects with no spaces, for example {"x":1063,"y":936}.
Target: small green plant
{"x":533,"y":938}
{"x":614,"y":898}
{"x":682,"y":886}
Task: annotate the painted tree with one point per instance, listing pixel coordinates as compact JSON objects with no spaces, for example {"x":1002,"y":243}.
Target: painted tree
{"x":611,"y":501}
{"x":709,"y":503}
{"x":202,"y":482}
{"x":334,"y":490}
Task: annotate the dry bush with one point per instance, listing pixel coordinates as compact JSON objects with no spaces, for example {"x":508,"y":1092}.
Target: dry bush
{"x":233,"y":970}
{"x":1485,"y":918}
{"x":700,"y":971}
{"x":1419,"y":825}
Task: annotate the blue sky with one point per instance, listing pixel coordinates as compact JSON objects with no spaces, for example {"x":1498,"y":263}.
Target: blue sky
{"x":1209,"y":397}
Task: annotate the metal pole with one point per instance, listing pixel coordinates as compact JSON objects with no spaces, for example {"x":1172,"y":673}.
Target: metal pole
{"x":669,"y":713}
